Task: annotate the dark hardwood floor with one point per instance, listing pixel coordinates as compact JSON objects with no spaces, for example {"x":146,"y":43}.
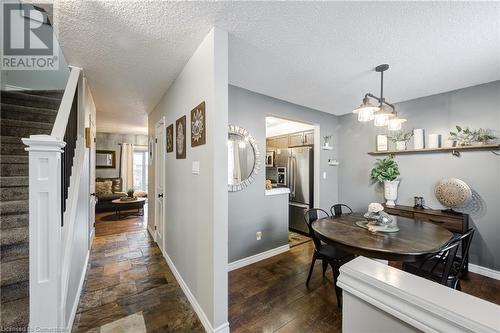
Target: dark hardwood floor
{"x":128,"y":275}
{"x":271,"y":296}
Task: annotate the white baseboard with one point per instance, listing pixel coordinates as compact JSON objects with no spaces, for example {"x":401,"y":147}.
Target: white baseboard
{"x":224,"y":328}
{"x":78,"y":294}
{"x":257,"y":257}
{"x":491,"y":273}
{"x":151,"y":231}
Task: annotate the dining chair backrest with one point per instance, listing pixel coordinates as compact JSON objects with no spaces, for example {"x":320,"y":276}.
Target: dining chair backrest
{"x":310,"y":216}
{"x":445,"y":257}
{"x":465,"y":240}
{"x":336,"y":210}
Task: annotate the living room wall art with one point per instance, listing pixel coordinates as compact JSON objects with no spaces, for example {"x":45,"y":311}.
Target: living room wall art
{"x":198,"y":125}
{"x":170,"y":138}
{"x":180,"y":137}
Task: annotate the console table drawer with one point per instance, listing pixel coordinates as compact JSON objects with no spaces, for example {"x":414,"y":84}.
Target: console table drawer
{"x":398,"y":212}
{"x":449,"y":223}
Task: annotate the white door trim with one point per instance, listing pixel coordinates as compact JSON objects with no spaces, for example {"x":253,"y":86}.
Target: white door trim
{"x":159,"y":170}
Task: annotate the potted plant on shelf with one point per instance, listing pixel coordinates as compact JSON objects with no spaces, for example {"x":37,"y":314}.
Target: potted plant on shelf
{"x":463,"y":136}
{"x":386,"y":171}
{"x":401,"y":138}
{"x":485,"y":136}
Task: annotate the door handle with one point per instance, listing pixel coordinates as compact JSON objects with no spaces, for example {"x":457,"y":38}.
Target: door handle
{"x":160,"y":195}
{"x":294,"y":204}
{"x":92,"y":194}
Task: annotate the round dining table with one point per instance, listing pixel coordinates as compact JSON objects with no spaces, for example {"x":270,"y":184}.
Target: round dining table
{"x":414,"y":240}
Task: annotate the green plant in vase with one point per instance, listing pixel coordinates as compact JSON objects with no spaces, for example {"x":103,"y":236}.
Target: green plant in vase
{"x":130,"y":192}
{"x":401,"y":138}
{"x":386,"y":171}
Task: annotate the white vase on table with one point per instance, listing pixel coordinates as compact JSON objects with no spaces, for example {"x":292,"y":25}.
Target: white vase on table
{"x":391,"y":192}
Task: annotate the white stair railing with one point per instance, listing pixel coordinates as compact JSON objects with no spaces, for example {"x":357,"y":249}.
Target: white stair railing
{"x":46,"y":241}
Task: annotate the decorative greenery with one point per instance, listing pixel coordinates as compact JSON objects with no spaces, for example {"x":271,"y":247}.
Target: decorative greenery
{"x":463,"y":136}
{"x":385,"y":169}
{"x":485,"y":136}
{"x":130,"y":192}
{"x":466,"y":136}
{"x":401,"y":136}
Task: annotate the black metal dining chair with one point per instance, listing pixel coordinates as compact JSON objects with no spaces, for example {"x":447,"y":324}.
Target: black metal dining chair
{"x":441,"y":267}
{"x":336,"y":210}
{"x":327,"y":253}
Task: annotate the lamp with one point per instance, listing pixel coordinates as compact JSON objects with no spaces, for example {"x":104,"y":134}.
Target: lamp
{"x":365,"y":110}
{"x":382,"y":117}
{"x":395,"y":124}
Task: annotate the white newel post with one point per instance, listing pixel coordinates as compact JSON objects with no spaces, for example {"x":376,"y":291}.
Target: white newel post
{"x":45,"y":231}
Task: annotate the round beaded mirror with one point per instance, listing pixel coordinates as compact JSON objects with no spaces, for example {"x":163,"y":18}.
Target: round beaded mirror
{"x":243,"y":158}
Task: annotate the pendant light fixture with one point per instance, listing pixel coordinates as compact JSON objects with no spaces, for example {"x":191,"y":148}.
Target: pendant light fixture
{"x":381,"y":116}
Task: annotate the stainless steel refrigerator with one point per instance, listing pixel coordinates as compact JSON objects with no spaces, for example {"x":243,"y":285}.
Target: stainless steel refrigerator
{"x":300,"y":181}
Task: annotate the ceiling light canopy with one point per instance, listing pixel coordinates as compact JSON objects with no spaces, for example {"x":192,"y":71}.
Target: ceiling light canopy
{"x":381,"y":116}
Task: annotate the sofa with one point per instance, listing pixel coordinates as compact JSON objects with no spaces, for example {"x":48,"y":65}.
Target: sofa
{"x":106,"y":192}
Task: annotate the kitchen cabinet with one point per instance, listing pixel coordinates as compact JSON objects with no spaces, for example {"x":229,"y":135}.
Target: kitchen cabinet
{"x":309,"y":138}
{"x":296,"y":139}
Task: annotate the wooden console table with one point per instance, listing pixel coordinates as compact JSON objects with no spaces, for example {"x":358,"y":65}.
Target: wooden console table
{"x":456,"y":223}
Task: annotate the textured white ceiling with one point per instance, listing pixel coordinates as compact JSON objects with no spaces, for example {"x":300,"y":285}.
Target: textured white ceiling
{"x":317,"y":54}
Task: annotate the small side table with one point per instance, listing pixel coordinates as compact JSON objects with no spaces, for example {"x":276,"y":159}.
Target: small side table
{"x":121,"y":205}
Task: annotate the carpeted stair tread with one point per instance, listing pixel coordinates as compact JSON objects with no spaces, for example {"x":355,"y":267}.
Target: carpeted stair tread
{"x":47,"y":93}
{"x":15,"y":252}
{"x":14,"y":193}
{"x":28,"y":124}
{"x":15,"y":313}
{"x":15,"y":159}
{"x":15,"y":291}
{"x":15,"y":271}
{"x":14,"y":221}
{"x":18,"y":112}
{"x":23,"y":132}
{"x":13,"y":169}
{"x":13,"y":149}
{"x":32,"y":100}
{"x":14,"y":181}
{"x":14,"y":207}
{"x":13,"y":236}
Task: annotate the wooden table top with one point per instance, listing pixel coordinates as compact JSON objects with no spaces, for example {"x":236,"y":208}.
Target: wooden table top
{"x":118,"y":201}
{"x":414,"y":240}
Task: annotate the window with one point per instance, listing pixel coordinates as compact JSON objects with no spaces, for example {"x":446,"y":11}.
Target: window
{"x":141,"y":170}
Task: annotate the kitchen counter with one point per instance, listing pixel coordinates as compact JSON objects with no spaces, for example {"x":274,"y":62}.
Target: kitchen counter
{"x":278,"y":190}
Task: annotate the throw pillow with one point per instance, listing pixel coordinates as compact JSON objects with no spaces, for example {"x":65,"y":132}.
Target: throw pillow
{"x":103,"y":187}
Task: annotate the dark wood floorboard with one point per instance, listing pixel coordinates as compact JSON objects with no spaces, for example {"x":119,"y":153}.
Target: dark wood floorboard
{"x":127,"y":274}
{"x":271,"y":296}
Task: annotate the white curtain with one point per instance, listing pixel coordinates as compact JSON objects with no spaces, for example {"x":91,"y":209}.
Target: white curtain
{"x":127,"y":166}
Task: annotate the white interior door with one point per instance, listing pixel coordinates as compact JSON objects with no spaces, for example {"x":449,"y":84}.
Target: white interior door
{"x":160,"y":137}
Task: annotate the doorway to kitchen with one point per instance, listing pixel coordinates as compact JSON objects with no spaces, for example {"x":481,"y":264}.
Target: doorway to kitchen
{"x":291,"y":163}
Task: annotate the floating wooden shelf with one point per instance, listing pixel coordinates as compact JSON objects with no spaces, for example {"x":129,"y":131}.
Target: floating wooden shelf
{"x":455,"y":150}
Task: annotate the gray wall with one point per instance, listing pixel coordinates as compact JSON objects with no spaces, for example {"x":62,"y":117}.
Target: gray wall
{"x":250,"y":210}
{"x":475,"y":107}
{"x":110,"y":141}
{"x":195,"y":224}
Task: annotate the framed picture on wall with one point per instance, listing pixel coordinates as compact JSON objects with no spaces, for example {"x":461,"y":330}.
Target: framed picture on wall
{"x":382,"y":142}
{"x":170,"y":138}
{"x":198,"y":125}
{"x":180,"y":138}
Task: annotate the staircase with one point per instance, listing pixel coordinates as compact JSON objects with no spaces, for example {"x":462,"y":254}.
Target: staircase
{"x":22,"y":114}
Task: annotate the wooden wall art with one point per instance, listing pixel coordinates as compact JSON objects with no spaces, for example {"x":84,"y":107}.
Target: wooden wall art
{"x":180,"y":138}
{"x":170,"y":138}
{"x":198,"y":125}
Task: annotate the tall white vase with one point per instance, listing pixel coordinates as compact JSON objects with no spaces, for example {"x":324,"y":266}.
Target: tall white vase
{"x":391,"y":192}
